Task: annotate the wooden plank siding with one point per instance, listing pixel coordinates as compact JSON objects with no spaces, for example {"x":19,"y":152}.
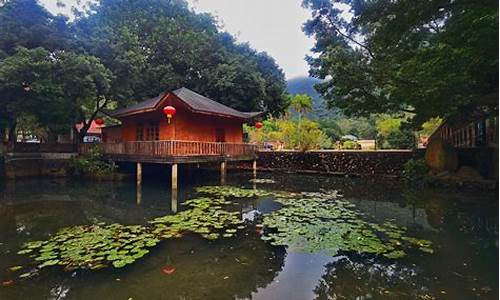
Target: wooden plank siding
{"x":171,"y":151}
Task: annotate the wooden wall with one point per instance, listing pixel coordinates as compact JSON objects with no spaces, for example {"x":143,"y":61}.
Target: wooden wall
{"x":185,"y":125}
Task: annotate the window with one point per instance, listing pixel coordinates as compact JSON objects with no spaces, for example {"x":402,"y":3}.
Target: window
{"x":139,"y":132}
{"x":153,"y":132}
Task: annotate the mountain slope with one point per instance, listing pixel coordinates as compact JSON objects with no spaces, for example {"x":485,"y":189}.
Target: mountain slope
{"x":305,"y":85}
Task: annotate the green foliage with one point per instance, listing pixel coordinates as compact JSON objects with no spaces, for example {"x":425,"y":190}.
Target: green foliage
{"x":300,"y":134}
{"x":92,"y":246}
{"x":393,"y":135}
{"x":416,"y":172}
{"x":92,"y":165}
{"x":322,"y":222}
{"x":58,"y":88}
{"x":364,"y":128}
{"x":430,"y":126}
{"x":401,"y":139}
{"x":117,"y":52}
{"x":350,"y":145}
{"x":433,"y":58}
{"x":98,"y":246}
{"x":155,"y":45}
{"x":331,"y":129}
{"x":306,"y":222}
{"x":301,"y":103}
{"x":205,"y":217}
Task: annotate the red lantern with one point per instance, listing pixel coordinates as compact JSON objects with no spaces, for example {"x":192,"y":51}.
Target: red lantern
{"x":169,"y":112}
{"x":99,"y":121}
{"x":258,"y":125}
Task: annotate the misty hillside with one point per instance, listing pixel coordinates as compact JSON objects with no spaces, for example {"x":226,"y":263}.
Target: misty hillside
{"x":305,"y":85}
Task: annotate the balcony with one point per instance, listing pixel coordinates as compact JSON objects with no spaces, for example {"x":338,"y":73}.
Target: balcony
{"x":173,"y":151}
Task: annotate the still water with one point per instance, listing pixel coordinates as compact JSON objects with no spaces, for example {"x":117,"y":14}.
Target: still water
{"x":462,"y":227}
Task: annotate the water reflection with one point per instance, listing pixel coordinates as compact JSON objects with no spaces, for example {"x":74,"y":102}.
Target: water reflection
{"x":463,"y":228}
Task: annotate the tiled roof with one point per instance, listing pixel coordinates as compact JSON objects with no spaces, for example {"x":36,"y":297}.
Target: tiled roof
{"x":195,"y":101}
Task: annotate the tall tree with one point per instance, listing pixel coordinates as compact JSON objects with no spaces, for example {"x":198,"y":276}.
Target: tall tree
{"x":155,"y":45}
{"x":25,"y":23}
{"x":58,"y":88}
{"x":432,"y":58}
{"x":301,"y":103}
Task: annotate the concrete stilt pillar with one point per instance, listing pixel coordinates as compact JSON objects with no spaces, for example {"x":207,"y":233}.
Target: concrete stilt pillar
{"x":139,"y":183}
{"x":139,"y":173}
{"x":174,"y":177}
{"x":254,"y":167}
{"x":139,"y":194}
{"x":173,"y":205}
{"x":223,"y":172}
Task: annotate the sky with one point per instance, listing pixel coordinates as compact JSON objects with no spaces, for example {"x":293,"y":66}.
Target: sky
{"x":273,"y":26}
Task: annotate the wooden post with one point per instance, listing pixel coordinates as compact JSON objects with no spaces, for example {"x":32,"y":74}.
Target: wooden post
{"x":254,"y":165}
{"x":174,"y":188}
{"x":223,"y":172}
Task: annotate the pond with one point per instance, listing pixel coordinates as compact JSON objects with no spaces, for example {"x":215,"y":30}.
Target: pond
{"x":286,"y":236}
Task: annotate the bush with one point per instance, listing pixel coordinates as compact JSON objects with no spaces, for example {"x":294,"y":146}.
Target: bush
{"x":401,"y":139}
{"x":92,"y":164}
{"x":416,"y":172}
{"x":350,"y":145}
{"x":301,"y":134}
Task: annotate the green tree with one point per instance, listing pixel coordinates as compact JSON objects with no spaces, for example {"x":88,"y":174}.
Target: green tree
{"x":331,"y":129}
{"x":25,"y":23}
{"x":59,"y":88}
{"x":392,"y":134}
{"x":291,"y":134}
{"x":155,"y":45}
{"x":301,"y":103}
{"x":432,"y":58}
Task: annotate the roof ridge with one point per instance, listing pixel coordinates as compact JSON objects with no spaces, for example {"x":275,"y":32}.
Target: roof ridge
{"x":197,"y":102}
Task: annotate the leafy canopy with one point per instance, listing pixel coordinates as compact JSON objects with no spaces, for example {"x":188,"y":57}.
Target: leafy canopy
{"x":433,"y":58}
{"x":154,"y":45}
{"x":117,"y":52}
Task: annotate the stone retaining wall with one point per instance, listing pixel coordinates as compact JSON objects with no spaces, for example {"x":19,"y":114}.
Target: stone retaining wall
{"x":362,"y":163}
{"x":17,"y":165}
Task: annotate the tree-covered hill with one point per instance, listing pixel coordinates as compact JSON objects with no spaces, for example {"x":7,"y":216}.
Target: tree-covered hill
{"x":305,"y":85}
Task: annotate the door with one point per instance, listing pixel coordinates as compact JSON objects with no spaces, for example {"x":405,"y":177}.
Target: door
{"x":220,"y":136}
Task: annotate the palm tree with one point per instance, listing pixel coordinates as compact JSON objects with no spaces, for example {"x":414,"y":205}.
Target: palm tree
{"x":301,"y":103}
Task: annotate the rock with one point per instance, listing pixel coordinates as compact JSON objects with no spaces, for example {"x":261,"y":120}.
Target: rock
{"x":441,"y":156}
{"x":468,"y":173}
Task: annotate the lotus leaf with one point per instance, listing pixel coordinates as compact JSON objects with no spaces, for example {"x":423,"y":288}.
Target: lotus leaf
{"x":323,"y":221}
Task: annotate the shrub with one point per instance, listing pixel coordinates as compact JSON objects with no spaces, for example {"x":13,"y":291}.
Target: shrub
{"x":301,"y":134}
{"x":92,"y":164}
{"x":401,"y":139}
{"x":350,"y":145}
{"x":416,"y":172}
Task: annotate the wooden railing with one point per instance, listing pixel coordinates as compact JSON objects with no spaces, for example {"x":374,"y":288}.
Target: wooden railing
{"x":158,"y":149}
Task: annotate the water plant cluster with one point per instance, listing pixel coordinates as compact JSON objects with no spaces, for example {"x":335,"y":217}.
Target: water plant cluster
{"x":206,"y":217}
{"x":227,"y":191}
{"x":313,"y":222}
{"x":91,"y":247}
{"x":323,"y":222}
{"x":100,"y":245}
